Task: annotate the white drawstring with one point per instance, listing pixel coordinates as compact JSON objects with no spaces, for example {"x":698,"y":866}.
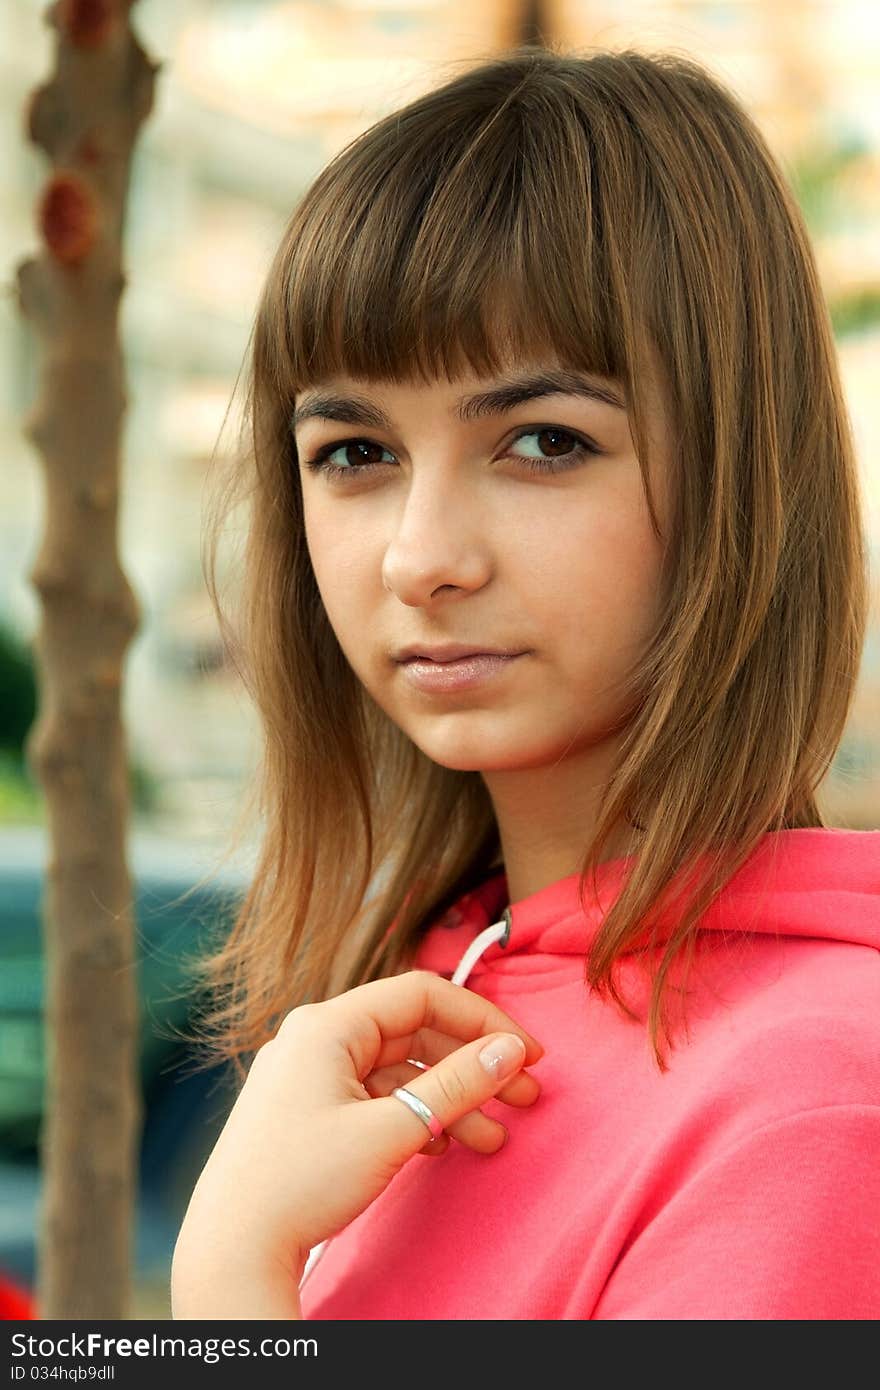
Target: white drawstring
{"x":499,"y":931}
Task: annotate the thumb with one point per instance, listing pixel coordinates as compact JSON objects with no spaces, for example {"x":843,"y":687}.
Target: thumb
{"x":459,"y":1083}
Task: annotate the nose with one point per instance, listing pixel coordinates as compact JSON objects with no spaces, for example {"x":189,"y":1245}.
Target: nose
{"x":438,"y":542}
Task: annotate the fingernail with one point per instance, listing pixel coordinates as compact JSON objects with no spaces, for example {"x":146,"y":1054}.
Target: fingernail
{"x":503,"y":1055}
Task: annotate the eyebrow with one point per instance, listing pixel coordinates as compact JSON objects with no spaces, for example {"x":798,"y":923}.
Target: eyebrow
{"x":504,"y":395}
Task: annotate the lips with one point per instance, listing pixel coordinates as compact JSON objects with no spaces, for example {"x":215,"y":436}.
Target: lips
{"x":449,"y":660}
{"x":443,"y":653}
{"x":439,"y":677}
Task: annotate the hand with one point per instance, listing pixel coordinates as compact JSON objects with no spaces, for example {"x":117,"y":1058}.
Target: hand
{"x":315,"y":1134}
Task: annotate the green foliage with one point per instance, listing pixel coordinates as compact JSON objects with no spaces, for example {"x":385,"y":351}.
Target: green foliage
{"x":816,"y":178}
{"x":820,"y":182}
{"x":18,"y":705}
{"x":21,"y":798}
{"x":853,"y":313}
{"x":144,"y":787}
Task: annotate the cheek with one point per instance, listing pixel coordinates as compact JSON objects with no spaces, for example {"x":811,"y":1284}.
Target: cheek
{"x":346,"y":572}
{"x":601,"y":585}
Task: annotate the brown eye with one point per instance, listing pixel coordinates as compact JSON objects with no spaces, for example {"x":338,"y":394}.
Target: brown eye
{"x":358,"y":455}
{"x":550,"y":440}
{"x":559,"y":448}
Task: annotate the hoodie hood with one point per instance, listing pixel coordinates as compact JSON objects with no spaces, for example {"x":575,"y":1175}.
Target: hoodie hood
{"x":822,"y":883}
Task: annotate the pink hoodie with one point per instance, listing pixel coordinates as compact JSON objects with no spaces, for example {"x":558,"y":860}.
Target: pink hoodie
{"x":744,"y":1183}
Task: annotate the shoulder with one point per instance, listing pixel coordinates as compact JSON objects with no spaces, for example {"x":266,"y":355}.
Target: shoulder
{"x":801,"y":1034}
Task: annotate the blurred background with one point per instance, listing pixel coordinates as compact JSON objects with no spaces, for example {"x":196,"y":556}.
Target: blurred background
{"x":252,"y":100}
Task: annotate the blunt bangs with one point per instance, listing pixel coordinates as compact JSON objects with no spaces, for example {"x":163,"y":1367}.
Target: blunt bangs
{"x":438,"y":257}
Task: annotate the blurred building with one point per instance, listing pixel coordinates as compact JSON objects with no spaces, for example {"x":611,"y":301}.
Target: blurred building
{"x":252,"y":100}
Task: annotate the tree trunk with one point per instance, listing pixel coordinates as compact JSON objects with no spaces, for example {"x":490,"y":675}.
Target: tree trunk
{"x":530,"y":22}
{"x":86,"y":118}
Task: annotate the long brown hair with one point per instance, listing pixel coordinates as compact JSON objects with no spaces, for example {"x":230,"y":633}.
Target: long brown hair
{"x":610,"y":208}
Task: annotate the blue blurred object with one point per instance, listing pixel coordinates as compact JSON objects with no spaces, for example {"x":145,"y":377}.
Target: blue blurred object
{"x":184,"y":1111}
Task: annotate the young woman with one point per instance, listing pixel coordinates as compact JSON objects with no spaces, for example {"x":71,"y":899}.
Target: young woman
{"x":555,"y":595}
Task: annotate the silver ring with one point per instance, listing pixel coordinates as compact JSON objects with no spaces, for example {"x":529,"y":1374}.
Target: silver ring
{"x":418,"y":1107}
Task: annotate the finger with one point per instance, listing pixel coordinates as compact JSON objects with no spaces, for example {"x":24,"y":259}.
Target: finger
{"x":435,"y":1147}
{"x":475,"y":1130}
{"x":399,"y":1005}
{"x":432,"y":1148}
{"x":382,"y":1083}
{"x":454,"y":1087}
{"x":430,"y":1047}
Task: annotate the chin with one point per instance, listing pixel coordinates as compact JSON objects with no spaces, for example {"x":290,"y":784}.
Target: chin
{"x":476,"y":755}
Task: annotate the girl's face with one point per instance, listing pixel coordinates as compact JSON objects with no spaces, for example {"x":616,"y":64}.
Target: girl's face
{"x":441,"y":530}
